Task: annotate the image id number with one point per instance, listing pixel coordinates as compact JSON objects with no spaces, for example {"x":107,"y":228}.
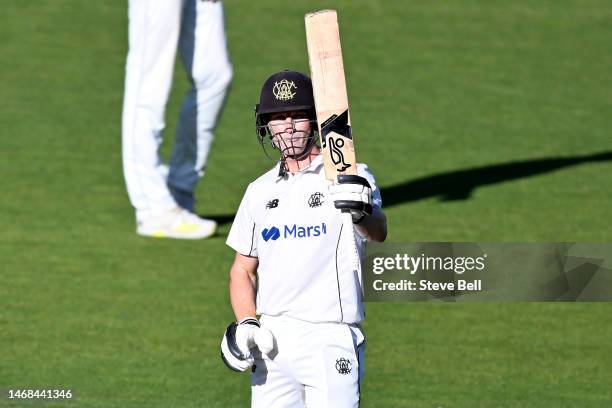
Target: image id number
{"x":39,"y":394}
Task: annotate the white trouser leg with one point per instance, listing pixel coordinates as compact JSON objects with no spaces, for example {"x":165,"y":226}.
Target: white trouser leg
{"x":273,"y":387}
{"x":203,"y":50}
{"x":153,"y":34}
{"x":317,"y":365}
{"x":331,"y":366}
{"x":273,"y":382}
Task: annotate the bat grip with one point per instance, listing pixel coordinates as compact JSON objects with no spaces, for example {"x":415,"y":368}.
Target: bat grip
{"x":347,"y":226}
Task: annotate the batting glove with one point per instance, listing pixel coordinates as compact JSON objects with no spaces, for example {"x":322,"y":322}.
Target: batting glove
{"x":238,"y":340}
{"x":352,"y":194}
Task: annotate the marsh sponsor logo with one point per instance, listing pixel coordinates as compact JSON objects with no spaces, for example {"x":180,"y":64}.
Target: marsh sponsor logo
{"x":270,"y":233}
{"x":298,"y":231}
{"x":294,"y":231}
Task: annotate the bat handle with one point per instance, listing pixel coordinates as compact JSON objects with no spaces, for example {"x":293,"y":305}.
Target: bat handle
{"x":347,"y":225}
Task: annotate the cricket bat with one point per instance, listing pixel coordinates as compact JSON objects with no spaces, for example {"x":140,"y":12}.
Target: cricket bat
{"x":331,"y":101}
{"x":329,"y":88}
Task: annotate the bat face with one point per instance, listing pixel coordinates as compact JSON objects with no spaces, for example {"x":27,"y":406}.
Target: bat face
{"x":329,"y":89}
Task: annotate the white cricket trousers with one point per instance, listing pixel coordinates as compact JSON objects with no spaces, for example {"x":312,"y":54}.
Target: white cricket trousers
{"x":315,"y":365}
{"x":156,"y":29}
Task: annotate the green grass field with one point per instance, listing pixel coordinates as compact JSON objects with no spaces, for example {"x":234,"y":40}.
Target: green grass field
{"x":482,"y":120}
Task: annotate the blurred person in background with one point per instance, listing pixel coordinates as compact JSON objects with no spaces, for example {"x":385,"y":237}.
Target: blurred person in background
{"x":162,"y":195}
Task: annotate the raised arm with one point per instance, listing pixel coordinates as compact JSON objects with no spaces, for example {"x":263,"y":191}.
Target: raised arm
{"x":373,"y":226}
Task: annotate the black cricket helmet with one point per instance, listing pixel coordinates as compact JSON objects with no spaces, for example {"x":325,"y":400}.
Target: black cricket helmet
{"x":282,"y":92}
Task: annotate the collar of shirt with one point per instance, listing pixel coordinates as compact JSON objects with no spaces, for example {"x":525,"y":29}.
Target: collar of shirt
{"x":314,"y":167}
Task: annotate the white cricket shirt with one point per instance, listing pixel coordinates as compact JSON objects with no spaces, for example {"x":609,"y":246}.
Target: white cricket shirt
{"x":305,"y":269}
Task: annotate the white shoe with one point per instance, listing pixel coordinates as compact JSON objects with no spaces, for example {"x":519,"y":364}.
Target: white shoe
{"x":177,"y":223}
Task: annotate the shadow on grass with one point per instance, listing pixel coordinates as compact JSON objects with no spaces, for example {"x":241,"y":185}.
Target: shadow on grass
{"x":460,"y":184}
{"x":220,"y":219}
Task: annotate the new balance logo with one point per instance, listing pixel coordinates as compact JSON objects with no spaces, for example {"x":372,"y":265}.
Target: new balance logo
{"x":272,"y":203}
{"x":272,"y":233}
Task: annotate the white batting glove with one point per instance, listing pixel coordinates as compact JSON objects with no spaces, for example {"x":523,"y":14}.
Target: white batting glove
{"x":250,"y":334}
{"x":240,"y":338}
{"x":352,"y":194}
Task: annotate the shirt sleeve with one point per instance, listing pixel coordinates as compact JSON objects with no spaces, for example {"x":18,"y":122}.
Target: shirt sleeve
{"x":242,"y":234}
{"x":364,"y":171}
